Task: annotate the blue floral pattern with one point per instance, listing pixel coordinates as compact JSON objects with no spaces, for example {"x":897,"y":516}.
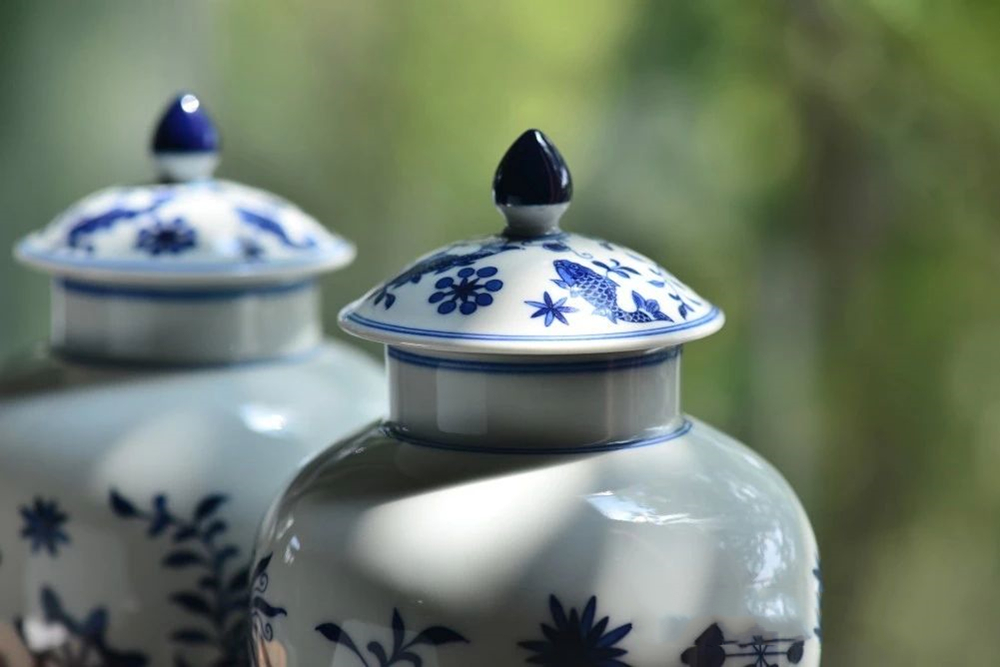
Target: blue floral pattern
{"x":586,"y":279}
{"x":401,"y":651}
{"x":84,"y":643}
{"x":577,"y":639}
{"x":43,"y":526}
{"x":712,"y":649}
{"x":439,"y":263}
{"x":551,"y":310}
{"x":468,"y":291}
{"x":220,"y":595}
{"x":167,"y":238}
{"x":167,"y":219}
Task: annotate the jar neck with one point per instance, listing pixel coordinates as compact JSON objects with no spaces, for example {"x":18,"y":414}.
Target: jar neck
{"x":183,"y":326}
{"x":534,"y":403}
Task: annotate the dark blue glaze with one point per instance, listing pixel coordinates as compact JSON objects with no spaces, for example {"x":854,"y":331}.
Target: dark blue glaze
{"x":532,"y":173}
{"x":44,"y":526}
{"x":400,"y":652}
{"x":712,"y":649}
{"x":602,"y":293}
{"x":266,"y":223}
{"x":185,"y":127}
{"x":469,"y":290}
{"x":577,"y":639}
{"x":80,"y":232}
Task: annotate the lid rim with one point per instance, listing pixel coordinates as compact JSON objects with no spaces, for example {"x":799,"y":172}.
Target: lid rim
{"x":146,"y":272}
{"x":499,"y":344}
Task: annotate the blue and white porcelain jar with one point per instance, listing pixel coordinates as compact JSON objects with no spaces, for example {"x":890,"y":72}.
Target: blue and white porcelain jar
{"x":536,"y":495}
{"x":186,"y":378}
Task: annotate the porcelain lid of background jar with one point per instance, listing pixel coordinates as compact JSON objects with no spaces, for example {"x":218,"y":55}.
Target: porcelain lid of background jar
{"x":533,"y":288}
{"x":187,"y":228}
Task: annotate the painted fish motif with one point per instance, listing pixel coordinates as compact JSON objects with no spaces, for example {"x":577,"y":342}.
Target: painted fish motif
{"x":602,"y":293}
{"x":440,"y":263}
{"x":78,"y":233}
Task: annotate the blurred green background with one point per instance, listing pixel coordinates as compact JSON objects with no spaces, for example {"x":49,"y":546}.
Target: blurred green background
{"x":824,"y":170}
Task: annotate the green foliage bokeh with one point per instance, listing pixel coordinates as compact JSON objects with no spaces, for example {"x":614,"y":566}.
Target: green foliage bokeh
{"x":824,"y":170}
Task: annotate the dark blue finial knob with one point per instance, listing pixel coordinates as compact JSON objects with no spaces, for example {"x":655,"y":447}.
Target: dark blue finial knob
{"x":532,"y":186}
{"x":186,"y":142}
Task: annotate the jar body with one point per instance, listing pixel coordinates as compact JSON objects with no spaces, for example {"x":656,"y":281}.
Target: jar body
{"x":129,"y":498}
{"x":681,"y":549}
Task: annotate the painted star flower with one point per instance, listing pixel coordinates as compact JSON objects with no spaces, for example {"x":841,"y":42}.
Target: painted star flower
{"x":551,"y":310}
{"x":43,"y":526}
{"x":575,"y":640}
{"x":166,"y":237}
{"x":467,"y":293}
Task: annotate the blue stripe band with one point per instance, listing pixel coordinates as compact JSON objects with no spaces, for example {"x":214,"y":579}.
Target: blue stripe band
{"x":461,"y":335}
{"x":188,"y":294}
{"x":684,"y":428}
{"x":527,"y":368}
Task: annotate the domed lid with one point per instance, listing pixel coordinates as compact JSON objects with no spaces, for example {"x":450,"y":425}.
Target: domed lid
{"x":533,"y":289}
{"x":187,"y":228}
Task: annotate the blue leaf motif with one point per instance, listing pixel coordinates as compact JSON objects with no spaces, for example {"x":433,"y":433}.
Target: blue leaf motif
{"x":121,"y":506}
{"x":182,"y":558}
{"x":402,"y":651}
{"x":208,"y":506}
{"x":192,"y":602}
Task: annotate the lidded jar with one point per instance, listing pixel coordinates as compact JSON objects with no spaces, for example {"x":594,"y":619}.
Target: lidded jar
{"x":536,"y":495}
{"x":186,"y":378}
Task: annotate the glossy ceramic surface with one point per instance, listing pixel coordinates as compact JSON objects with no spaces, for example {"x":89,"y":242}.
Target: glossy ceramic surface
{"x":536,"y":495}
{"x":189,"y":228}
{"x":129,"y":498}
{"x":533,"y":289}
{"x":186,"y":378}
{"x":640,"y":536}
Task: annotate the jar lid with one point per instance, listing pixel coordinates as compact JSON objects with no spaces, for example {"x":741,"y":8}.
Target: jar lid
{"x":187,"y":228}
{"x":533,"y":288}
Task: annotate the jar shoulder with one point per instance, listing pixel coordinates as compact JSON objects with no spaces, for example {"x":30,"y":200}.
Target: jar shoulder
{"x":63,"y":424}
{"x":702,"y":478}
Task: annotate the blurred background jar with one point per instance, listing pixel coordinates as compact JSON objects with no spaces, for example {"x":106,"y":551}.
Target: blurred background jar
{"x":185,"y":378}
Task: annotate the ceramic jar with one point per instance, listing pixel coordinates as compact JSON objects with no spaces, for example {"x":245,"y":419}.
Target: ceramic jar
{"x":536,"y":495}
{"x":186,"y":378}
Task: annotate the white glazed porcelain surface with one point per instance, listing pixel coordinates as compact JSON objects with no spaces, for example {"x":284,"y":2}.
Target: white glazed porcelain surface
{"x":558,"y":293}
{"x":205,"y":232}
{"x":150,"y":576}
{"x":464,"y":531}
{"x":187,"y":326}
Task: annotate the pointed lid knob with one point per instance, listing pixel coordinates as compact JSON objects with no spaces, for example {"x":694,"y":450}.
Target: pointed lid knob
{"x":186,"y":142}
{"x":532,"y":187}
{"x":187,"y":228}
{"x":532,"y":289}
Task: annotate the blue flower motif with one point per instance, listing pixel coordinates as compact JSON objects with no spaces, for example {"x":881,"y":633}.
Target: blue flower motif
{"x":43,"y":525}
{"x":576,"y":640}
{"x":166,"y":237}
{"x":468,"y":294}
{"x":251,"y":249}
{"x":552,"y":310}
